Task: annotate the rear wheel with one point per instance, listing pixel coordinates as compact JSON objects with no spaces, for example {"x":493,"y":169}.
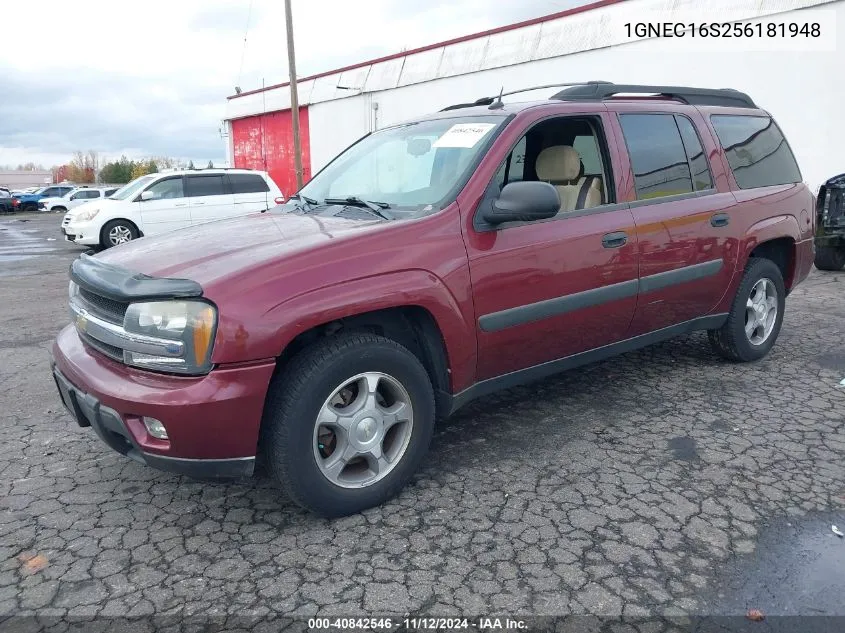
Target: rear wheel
{"x":830,"y":257}
{"x":117,"y":232}
{"x":347,"y":423}
{"x":756,"y":315}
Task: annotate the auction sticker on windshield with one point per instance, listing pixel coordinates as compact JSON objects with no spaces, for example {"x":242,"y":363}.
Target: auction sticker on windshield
{"x":464,"y":135}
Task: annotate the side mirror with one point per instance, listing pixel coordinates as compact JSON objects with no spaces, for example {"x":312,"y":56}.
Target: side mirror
{"x":147,"y":195}
{"x":524,"y":202}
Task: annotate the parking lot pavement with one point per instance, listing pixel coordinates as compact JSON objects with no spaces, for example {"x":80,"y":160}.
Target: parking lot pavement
{"x":651,"y":483}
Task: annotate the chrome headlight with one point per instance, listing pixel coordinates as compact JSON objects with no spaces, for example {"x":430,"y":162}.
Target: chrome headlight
{"x":191,"y":325}
{"x":84,"y":216}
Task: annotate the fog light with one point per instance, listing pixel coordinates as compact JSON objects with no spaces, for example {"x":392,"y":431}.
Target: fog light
{"x":155,"y":428}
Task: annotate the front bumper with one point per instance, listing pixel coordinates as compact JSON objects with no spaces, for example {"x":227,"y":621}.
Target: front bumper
{"x":212,"y":421}
{"x":84,"y":233}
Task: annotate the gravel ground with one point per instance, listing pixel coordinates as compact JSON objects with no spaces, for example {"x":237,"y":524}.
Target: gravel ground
{"x":665,"y":481}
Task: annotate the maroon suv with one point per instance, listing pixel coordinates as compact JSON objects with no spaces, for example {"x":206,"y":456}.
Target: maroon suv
{"x":430,"y":263}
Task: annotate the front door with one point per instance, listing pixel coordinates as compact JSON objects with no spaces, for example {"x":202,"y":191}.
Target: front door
{"x":683,"y":221}
{"x":81,"y":197}
{"x":168,"y":209}
{"x":550,"y":289}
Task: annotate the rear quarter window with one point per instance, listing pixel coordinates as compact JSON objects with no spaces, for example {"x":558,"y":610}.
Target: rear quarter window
{"x":248,"y":183}
{"x":756,"y":150}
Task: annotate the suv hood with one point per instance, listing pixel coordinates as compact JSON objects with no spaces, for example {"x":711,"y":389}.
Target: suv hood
{"x":209,"y":252}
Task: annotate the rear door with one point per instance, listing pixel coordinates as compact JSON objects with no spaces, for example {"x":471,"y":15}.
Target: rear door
{"x":250,"y":193}
{"x":681,"y":203}
{"x":168,"y":209}
{"x":209,"y":196}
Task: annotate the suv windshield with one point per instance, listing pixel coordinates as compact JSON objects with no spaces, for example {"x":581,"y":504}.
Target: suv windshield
{"x":130,"y":189}
{"x":415,"y":167}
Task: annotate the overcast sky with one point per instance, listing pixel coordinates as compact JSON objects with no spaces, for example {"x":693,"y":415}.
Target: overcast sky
{"x":152,"y":78}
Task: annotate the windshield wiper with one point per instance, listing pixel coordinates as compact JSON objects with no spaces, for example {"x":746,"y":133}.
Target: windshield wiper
{"x":376,"y":207}
{"x":299,"y":196}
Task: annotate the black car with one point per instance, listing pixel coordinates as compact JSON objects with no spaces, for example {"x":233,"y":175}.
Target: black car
{"x":830,"y":231}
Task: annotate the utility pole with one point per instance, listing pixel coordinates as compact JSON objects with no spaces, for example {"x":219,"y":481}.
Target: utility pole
{"x":294,"y":99}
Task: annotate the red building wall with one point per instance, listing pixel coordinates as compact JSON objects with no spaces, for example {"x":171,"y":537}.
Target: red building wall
{"x":265,"y":142}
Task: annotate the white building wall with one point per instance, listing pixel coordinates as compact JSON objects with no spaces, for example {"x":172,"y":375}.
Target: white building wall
{"x":802,"y":90}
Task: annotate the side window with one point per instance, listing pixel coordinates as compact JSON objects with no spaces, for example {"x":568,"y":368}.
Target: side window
{"x":109,"y":192}
{"x":248,"y":183}
{"x":565,"y":152}
{"x":657,"y":155}
{"x":588,"y":148}
{"x":513,"y":169}
{"x":167,"y":189}
{"x":757,"y":151}
{"x":701,"y":177}
{"x":94,"y":193}
{"x":210,"y":185}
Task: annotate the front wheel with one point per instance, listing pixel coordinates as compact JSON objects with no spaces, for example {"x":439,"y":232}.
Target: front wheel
{"x":347,"y":423}
{"x":756,"y":315}
{"x":117,"y":232}
{"x":830,"y":257}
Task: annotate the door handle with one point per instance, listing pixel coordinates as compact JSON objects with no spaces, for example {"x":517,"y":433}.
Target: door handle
{"x":183,"y":204}
{"x":198,"y":204}
{"x":615,"y":240}
{"x":720,"y":219}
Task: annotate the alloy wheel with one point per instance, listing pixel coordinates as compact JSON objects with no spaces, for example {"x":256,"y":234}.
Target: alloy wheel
{"x":761,"y":311}
{"x":363,"y":430}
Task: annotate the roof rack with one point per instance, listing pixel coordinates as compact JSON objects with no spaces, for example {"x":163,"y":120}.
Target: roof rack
{"x":595,"y":91}
{"x":488,"y":101}
{"x":599,"y":90}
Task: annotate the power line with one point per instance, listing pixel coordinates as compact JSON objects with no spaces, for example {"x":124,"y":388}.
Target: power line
{"x":243,"y":51}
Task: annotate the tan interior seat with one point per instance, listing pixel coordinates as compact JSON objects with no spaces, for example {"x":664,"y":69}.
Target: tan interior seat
{"x":561,"y":166}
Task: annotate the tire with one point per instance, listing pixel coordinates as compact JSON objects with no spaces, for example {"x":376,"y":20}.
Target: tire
{"x":294,"y":444}
{"x":830,"y":257}
{"x":115,"y":230}
{"x":58,"y":209}
{"x":732,"y":341}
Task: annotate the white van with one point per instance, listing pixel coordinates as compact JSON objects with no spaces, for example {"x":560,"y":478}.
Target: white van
{"x":162,"y":202}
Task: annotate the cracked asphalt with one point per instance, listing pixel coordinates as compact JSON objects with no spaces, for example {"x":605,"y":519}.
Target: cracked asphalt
{"x":665,"y":481}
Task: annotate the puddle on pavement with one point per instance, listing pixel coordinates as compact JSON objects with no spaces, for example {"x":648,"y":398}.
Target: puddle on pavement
{"x":683,"y":448}
{"x":835,"y":360}
{"x":797,"y":569}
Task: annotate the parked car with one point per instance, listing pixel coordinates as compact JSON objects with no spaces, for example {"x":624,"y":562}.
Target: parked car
{"x":75,"y":198}
{"x":8,"y":204}
{"x":430,"y":264}
{"x":163,"y":202}
{"x":29,"y":201}
{"x":6,"y":190}
{"x":830,"y":235}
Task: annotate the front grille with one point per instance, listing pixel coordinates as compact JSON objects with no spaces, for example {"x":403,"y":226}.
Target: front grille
{"x":103,"y":307}
{"x":104,"y":348}
{"x":66,"y":220}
